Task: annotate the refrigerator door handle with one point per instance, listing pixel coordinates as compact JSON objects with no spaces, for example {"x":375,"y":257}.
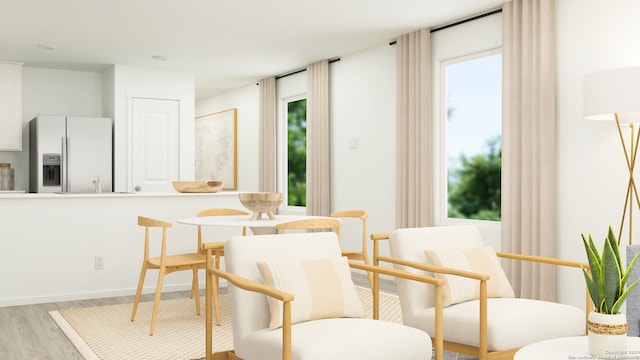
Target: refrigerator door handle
{"x":65,"y":165}
{"x":67,"y":156}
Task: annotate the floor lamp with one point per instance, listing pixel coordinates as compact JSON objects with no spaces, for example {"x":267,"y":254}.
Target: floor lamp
{"x":614,"y":95}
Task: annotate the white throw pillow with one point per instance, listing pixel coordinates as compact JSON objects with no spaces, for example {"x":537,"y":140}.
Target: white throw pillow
{"x":321,"y":289}
{"x":459,"y":289}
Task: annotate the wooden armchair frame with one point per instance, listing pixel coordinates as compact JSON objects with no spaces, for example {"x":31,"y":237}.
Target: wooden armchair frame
{"x":481,"y":351}
{"x":286,"y":298}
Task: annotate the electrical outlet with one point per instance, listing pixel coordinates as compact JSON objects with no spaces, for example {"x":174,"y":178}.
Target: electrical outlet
{"x":98,"y":263}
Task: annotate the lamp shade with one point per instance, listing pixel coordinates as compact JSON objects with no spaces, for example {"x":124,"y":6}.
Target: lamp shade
{"x":612,"y":91}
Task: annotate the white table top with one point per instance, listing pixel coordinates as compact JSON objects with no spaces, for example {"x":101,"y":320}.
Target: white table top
{"x":568,"y":348}
{"x":243,"y":220}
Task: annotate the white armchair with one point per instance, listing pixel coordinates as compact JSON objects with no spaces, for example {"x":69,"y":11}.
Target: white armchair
{"x":480,"y":316}
{"x":257,"y":333}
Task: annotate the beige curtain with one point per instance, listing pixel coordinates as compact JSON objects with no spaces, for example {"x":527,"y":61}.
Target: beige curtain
{"x":414,"y":128}
{"x":267,"y":135}
{"x":318,"y":171}
{"x":528,"y":157}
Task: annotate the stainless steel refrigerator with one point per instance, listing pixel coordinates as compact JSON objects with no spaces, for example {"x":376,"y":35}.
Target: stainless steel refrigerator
{"x":70,"y":154}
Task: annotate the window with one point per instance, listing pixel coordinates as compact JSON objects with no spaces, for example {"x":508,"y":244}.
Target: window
{"x":467,"y":120}
{"x":297,"y":152}
{"x":291,"y":150}
{"x":471,"y":126}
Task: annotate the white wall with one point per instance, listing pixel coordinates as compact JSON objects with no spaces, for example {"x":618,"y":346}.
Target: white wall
{"x":246,"y":101}
{"x":591,"y":35}
{"x":54,"y":92}
{"x":363,"y":109}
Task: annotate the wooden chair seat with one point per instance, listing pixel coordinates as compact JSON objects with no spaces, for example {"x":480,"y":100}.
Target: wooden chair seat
{"x":179,"y":261}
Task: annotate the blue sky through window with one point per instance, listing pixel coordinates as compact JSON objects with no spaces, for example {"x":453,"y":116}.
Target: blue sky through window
{"x":474,"y":93}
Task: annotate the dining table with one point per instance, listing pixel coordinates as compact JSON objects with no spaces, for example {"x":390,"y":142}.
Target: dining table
{"x":258,"y":226}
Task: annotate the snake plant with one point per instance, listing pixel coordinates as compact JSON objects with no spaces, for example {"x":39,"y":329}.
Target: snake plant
{"x":606,"y":281}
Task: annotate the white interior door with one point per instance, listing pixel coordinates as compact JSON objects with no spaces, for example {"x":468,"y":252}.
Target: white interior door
{"x":155,"y":144}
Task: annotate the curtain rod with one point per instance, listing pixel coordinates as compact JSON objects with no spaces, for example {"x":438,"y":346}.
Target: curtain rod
{"x":302,"y":70}
{"x":459,"y":22}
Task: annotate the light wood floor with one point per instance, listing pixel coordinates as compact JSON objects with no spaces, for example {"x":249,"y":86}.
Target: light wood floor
{"x":28,"y":332}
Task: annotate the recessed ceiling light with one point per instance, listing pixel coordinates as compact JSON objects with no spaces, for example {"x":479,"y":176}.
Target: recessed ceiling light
{"x":47,"y":46}
{"x":159,"y":57}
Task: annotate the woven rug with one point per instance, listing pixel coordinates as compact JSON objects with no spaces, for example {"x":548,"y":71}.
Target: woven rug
{"x":107,"y":333}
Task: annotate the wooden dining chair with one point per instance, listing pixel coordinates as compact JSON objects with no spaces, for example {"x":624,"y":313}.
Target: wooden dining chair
{"x":166,"y":264}
{"x":320,"y":223}
{"x":358,"y":254}
{"x":217,"y":248}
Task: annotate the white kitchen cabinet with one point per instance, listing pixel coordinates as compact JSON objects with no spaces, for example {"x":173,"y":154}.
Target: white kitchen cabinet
{"x":10,"y":106}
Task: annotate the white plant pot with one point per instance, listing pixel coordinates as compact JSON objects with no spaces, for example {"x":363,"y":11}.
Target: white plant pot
{"x":607,"y":333}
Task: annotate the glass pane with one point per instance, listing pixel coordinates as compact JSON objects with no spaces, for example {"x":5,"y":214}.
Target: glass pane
{"x":297,"y":153}
{"x":474,"y":138}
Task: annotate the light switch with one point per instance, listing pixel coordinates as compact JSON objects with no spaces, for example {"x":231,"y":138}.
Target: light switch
{"x":353,"y":143}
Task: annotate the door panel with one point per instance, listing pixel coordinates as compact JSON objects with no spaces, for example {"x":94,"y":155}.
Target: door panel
{"x":155,"y":144}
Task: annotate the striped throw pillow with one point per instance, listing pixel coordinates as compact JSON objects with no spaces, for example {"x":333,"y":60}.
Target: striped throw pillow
{"x":321,"y":289}
{"x":459,"y":289}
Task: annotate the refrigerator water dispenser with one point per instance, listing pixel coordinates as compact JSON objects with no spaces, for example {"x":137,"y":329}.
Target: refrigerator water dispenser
{"x":51,"y":169}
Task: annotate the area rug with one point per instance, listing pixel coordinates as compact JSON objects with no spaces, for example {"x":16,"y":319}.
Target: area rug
{"x":106,"y":332}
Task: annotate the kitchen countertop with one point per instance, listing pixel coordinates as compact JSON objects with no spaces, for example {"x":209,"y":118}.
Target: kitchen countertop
{"x":22,"y":194}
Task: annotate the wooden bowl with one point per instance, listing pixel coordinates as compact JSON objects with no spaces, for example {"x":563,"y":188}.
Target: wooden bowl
{"x":261,"y":202}
{"x":198,"y":186}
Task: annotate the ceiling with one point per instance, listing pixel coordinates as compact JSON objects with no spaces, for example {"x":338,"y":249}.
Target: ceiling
{"x":224,"y":44}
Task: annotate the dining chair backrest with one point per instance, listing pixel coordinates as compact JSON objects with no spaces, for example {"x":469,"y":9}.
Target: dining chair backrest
{"x":362,"y":215}
{"x":320,"y":223}
{"x":348,"y":217}
{"x":218,"y":212}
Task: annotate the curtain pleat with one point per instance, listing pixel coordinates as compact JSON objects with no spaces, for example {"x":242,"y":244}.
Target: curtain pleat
{"x":414,"y":129}
{"x":529,"y":156}
{"x":318,"y":162}
{"x":267,"y":135}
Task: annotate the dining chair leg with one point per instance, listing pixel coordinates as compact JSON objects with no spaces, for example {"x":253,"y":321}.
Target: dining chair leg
{"x":156,"y":300}
{"x":143,"y":272}
{"x":369,"y":273}
{"x":193,"y":288}
{"x":196,"y":289}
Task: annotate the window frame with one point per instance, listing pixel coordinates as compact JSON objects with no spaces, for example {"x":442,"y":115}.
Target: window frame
{"x":282,"y":183}
{"x":440,"y":159}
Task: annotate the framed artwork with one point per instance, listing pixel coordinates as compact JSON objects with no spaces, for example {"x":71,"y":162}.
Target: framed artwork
{"x":216,"y":148}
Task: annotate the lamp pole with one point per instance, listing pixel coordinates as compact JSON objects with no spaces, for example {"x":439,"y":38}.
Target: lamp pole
{"x":630,"y":156}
